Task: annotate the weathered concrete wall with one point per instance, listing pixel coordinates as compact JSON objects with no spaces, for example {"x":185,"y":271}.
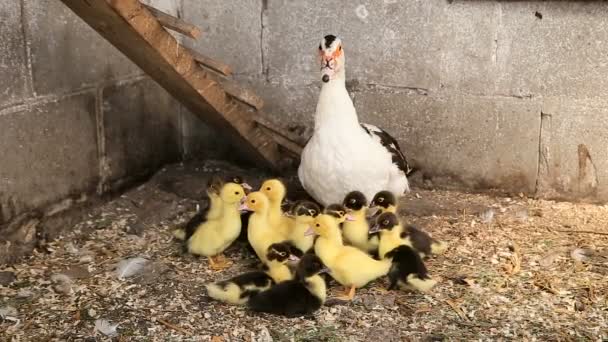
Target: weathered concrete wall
{"x":76,"y":116}
{"x":479,"y":93}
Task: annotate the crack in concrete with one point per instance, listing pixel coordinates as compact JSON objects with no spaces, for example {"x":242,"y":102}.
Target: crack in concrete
{"x":542,"y":168}
{"x":265,"y":68}
{"x":587,"y":171}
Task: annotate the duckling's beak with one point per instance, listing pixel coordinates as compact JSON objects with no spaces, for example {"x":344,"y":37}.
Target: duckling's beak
{"x":372,"y":211}
{"x":293,"y":258}
{"x":247,"y":186}
{"x":349,"y":217}
{"x":243,"y":207}
{"x":374,"y":229}
{"x":309,"y":231}
{"x":324,"y":270}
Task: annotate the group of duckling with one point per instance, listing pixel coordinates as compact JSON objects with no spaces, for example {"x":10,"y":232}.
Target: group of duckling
{"x":354,"y":242}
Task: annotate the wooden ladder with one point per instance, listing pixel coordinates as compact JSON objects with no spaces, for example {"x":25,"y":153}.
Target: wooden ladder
{"x":197,"y":81}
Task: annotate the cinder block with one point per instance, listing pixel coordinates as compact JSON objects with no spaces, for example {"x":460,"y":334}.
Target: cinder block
{"x":562,"y":54}
{"x":385,"y":42}
{"x":13,"y":70}
{"x":66,"y":52}
{"x":231,"y":32}
{"x":574,"y":158}
{"x":479,"y":142}
{"x":48,"y":151}
{"x":141,"y":123}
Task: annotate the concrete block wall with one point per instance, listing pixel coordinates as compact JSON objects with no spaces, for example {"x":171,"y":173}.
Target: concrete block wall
{"x":480,"y":94}
{"x":76,"y":116}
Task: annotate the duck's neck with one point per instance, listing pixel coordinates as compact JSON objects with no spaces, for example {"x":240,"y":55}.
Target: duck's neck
{"x":335,"y":109}
{"x":274,"y":212}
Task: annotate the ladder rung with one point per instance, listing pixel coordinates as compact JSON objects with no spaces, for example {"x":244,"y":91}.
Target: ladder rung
{"x":210,"y":63}
{"x":174,"y":23}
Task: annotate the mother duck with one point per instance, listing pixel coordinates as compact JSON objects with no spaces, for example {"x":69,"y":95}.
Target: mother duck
{"x":344,"y":155}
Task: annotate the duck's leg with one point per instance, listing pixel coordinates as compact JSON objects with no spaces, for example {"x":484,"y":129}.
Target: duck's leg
{"x":348,"y":295}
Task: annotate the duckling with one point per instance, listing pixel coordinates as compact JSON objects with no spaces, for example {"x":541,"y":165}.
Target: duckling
{"x":239,"y":289}
{"x":356,"y":232}
{"x":275,"y":190}
{"x":383,"y":201}
{"x":348,"y":265}
{"x":260,"y":233}
{"x":392,"y":235}
{"x":214,"y":236}
{"x":304,"y":213}
{"x":213,"y":210}
{"x":301,"y":296}
{"x":408,"y":270}
{"x":338,"y":211}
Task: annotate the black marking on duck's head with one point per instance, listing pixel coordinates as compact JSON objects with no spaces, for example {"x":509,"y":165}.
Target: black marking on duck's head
{"x":306,"y":208}
{"x":329,"y":39}
{"x":279,"y":252}
{"x":336,"y":210}
{"x":384,"y":199}
{"x":355,"y":200}
{"x":387,"y":221}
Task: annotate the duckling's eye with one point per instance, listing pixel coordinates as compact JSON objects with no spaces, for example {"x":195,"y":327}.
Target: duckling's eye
{"x":237,"y":192}
{"x":268,"y":189}
{"x":385,"y":222}
{"x":282,"y":254}
{"x":380,"y":199}
{"x":317,"y":225}
{"x":252,"y":201}
{"x":353,"y":201}
{"x":341,"y":213}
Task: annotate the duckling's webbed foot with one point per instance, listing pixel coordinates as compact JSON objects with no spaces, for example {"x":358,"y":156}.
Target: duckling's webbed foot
{"x":349,"y":294}
{"x":218,"y":265}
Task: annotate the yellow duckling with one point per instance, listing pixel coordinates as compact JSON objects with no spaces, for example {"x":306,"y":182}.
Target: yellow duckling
{"x":348,"y":265}
{"x":239,"y":289}
{"x":275,"y":191}
{"x":259,"y":231}
{"x":356,"y":230}
{"x":214,"y":209}
{"x":214,"y":236}
{"x":304,"y":213}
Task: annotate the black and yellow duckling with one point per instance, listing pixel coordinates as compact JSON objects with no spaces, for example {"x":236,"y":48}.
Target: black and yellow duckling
{"x":356,"y":231}
{"x":408,"y":270}
{"x":393,"y":234}
{"x":304,"y":213}
{"x":303,"y":295}
{"x":237,"y":290}
{"x":349,"y":266}
{"x":259,"y":232}
{"x":383,"y":202}
{"x":212,"y":237}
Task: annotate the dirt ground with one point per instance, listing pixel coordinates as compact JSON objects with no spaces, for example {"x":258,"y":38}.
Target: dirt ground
{"x":516,"y":269}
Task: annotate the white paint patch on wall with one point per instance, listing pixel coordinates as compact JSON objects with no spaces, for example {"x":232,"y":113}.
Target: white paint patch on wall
{"x":362,"y":12}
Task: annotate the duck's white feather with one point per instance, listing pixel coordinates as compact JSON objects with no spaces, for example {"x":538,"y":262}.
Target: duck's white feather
{"x":342,"y":156}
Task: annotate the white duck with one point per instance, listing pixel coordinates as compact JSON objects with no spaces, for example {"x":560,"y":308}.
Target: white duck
{"x":344,"y":155}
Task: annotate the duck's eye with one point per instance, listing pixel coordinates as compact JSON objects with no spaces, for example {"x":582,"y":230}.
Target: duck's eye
{"x":340,"y":48}
{"x":353,"y":201}
{"x":341,"y":213}
{"x":282,"y":253}
{"x":385,"y":222}
{"x":317,"y":225}
{"x":252,"y":201}
{"x":320,"y":48}
{"x":380,"y":199}
{"x":237,"y":192}
{"x":268,"y":189}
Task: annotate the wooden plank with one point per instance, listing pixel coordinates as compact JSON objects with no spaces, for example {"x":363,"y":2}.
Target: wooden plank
{"x":138,"y":34}
{"x":242,"y":94}
{"x":281,"y":136}
{"x":210,"y":63}
{"x":174,"y":23}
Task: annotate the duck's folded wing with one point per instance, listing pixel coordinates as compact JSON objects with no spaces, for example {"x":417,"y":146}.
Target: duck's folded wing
{"x":391,"y":145}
